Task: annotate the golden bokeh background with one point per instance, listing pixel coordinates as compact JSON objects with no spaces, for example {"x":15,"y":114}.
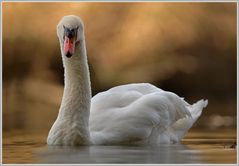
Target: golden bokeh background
{"x":187,"y":48}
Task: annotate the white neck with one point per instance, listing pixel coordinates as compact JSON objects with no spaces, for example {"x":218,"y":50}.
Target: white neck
{"x":75,"y":105}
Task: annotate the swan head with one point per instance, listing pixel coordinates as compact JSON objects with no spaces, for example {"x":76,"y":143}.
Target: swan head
{"x":70,"y":33}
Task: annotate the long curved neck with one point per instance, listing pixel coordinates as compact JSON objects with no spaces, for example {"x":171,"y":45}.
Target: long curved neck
{"x":75,"y":105}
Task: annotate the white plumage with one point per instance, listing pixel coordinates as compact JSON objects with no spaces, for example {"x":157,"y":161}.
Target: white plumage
{"x":140,"y":114}
{"x":128,"y":114}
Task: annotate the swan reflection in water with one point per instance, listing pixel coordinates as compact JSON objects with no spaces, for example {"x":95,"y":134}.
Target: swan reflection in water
{"x":177,"y":153}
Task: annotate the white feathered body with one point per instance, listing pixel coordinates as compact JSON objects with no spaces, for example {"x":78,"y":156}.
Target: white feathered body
{"x":140,"y":114}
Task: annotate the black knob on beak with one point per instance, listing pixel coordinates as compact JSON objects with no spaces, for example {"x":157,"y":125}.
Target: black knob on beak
{"x":70,"y":33}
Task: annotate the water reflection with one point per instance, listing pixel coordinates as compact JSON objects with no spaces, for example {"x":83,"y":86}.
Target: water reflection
{"x":197,"y":147}
{"x":116,"y":154}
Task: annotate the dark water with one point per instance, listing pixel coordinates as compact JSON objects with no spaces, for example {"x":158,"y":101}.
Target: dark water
{"x":197,"y":147}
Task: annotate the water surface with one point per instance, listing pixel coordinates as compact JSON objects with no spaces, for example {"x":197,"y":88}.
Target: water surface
{"x":197,"y":147}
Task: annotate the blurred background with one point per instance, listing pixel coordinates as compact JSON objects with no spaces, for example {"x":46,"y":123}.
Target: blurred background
{"x":186,"y":48}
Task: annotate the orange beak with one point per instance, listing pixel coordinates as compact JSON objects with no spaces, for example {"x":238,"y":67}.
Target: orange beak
{"x":69,"y":46}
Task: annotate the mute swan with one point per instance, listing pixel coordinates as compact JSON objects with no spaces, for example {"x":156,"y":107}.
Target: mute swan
{"x":129,"y":114}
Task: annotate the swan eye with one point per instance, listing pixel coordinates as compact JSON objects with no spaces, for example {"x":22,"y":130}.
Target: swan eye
{"x":64,"y":32}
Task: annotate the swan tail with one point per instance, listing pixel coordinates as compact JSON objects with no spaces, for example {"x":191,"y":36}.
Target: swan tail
{"x":179,"y":129}
{"x":196,"y":109}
